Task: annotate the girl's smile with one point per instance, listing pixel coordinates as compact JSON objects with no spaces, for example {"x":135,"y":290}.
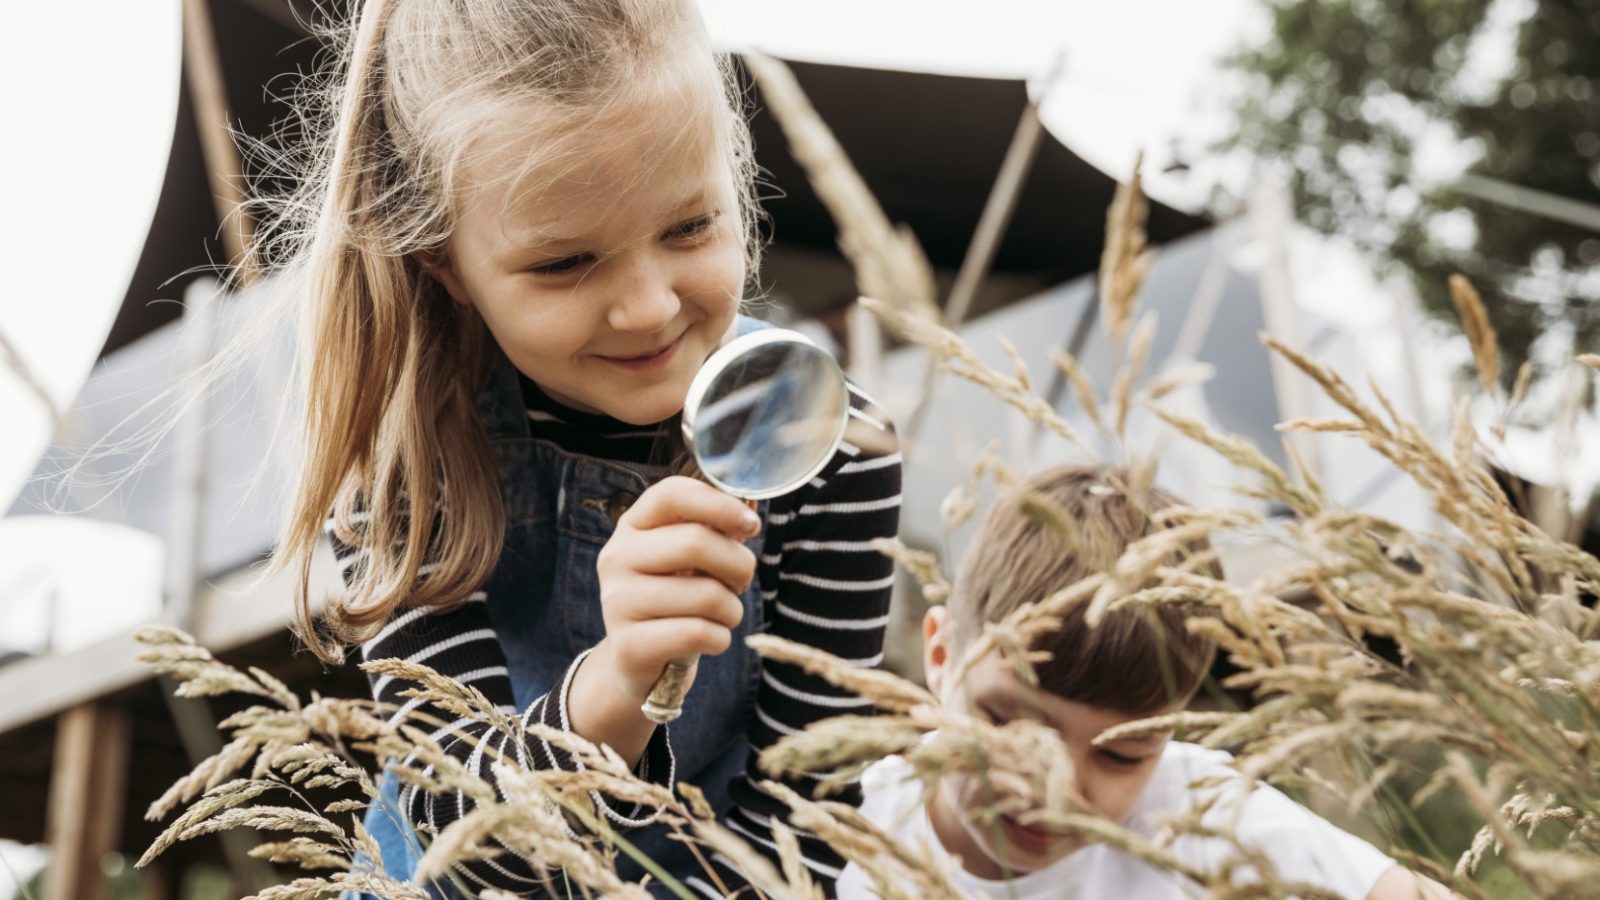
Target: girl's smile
{"x":648,"y":361}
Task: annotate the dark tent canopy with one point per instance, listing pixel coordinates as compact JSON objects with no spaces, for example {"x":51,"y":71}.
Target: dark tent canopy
{"x":929,"y":147}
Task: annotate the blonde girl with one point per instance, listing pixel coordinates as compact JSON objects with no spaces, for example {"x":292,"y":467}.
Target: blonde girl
{"x":529,"y":223}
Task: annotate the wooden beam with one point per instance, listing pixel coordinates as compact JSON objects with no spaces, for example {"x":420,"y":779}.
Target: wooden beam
{"x":87,"y":784}
{"x":203,"y":71}
{"x":235,"y":609}
{"x":160,"y":882}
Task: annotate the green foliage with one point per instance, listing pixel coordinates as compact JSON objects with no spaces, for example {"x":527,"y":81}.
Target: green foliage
{"x":1347,"y":96}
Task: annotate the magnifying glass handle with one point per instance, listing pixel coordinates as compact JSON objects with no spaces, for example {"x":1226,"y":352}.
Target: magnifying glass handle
{"x":665,"y":702}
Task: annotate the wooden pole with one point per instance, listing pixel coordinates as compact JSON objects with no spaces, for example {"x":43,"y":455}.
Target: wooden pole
{"x":159,"y":881}
{"x":992,"y":223}
{"x":87,"y":784}
{"x":203,"y":71}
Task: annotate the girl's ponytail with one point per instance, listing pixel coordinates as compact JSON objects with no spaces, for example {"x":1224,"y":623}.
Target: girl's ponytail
{"x":390,"y":428}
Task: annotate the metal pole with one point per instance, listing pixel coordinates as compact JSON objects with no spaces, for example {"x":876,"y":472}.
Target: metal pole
{"x":186,"y":513}
{"x":196,"y":726}
{"x":1534,"y":202}
{"x":1271,"y":214}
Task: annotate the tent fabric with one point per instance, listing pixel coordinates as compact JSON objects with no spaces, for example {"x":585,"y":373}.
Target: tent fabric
{"x":928,"y":145}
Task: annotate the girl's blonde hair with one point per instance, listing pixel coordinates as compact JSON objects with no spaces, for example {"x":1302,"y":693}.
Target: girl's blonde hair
{"x":393,"y":447}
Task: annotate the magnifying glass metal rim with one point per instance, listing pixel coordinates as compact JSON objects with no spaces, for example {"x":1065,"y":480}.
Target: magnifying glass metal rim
{"x":717,"y":363}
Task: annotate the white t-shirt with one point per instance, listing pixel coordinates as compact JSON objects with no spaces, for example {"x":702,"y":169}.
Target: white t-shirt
{"x":1302,"y":846}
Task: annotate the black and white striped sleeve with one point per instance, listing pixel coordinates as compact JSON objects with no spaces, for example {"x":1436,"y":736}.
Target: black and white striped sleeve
{"x":824,"y":584}
{"x":461,"y":642}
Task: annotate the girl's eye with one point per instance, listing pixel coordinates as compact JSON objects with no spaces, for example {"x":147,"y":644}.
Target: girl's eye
{"x":561,"y":266}
{"x":693,"y":228}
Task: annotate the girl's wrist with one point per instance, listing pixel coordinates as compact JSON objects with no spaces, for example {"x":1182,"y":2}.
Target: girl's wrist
{"x":601,"y":710}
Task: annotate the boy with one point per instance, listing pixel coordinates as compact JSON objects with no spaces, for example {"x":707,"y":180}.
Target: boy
{"x":1133,"y":665}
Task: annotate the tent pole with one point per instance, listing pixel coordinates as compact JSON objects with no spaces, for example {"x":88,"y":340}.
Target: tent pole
{"x":1271,"y":214}
{"x":203,"y":74}
{"x":992,"y":223}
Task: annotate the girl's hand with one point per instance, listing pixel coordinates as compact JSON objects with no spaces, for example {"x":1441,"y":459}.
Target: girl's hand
{"x":670,"y":580}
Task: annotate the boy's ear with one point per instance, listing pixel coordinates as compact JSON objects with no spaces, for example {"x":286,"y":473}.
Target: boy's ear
{"x":438,"y":264}
{"x":936,"y":647}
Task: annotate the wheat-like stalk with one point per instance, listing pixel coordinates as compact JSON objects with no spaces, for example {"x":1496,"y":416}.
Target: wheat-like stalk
{"x":1480,"y":331}
{"x":888,"y":261}
{"x":1125,"y":260}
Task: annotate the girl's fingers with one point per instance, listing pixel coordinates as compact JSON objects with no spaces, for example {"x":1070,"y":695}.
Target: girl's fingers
{"x":687,"y":547}
{"x":649,"y":645}
{"x":680,"y":597}
{"x":679,"y":499}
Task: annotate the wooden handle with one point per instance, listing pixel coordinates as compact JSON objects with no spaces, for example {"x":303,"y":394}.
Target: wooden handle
{"x":665,"y":703}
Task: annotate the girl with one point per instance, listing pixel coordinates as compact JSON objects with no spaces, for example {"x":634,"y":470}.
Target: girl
{"x":534,"y":220}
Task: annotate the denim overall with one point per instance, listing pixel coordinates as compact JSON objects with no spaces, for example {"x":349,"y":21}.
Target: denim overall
{"x":544,"y":599}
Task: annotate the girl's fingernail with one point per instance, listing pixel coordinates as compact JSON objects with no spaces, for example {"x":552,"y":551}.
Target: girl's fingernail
{"x":752,"y":522}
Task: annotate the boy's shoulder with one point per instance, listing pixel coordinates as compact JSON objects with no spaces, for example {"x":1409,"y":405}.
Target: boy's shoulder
{"x":890,"y":792}
{"x":1302,"y":845}
{"x":1184,"y":771}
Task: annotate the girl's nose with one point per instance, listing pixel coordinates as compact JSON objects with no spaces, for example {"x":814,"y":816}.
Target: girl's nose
{"x":646,"y":302}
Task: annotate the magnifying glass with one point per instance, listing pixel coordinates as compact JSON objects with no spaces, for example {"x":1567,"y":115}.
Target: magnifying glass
{"x":762,"y":417}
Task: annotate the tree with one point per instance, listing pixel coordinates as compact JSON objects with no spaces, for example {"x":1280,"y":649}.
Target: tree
{"x":1356,"y":100}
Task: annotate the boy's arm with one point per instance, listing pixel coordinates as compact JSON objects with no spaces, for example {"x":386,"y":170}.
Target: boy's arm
{"x":1400,"y":883}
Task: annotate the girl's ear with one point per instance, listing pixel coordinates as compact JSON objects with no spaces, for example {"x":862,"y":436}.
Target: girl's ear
{"x":438,"y":264}
{"x":936,"y":647}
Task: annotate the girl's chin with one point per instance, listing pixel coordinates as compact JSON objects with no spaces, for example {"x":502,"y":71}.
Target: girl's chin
{"x":643,"y":414}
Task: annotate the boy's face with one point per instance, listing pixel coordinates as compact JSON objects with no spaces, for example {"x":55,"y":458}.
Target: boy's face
{"x":1111,"y":777}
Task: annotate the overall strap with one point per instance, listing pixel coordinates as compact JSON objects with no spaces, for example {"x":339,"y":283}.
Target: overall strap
{"x":500,"y":404}
{"x":743,"y":325}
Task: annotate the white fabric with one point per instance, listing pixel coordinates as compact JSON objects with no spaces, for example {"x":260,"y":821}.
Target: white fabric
{"x":1301,"y":845}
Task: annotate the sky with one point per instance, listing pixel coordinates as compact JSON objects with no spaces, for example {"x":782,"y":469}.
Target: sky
{"x":1122,"y":85}
{"x":80,"y":191}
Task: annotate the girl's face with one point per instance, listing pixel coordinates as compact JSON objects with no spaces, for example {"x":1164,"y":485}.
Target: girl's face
{"x":611,"y":282}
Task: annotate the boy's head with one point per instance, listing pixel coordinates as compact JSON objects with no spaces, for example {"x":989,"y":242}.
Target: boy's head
{"x":1137,"y":662}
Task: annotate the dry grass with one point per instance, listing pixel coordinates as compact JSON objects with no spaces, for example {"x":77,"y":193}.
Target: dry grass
{"x":1480,"y":333}
{"x":1125,"y":260}
{"x":1487,"y":708}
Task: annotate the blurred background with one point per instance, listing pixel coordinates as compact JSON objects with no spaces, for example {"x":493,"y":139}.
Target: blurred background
{"x":1316,"y":169}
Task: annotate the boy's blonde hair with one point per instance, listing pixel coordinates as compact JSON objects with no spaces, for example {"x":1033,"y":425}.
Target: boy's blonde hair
{"x":1137,"y":660}
{"x":393,"y":365}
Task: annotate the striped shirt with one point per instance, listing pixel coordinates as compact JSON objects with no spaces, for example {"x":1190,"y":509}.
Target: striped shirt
{"x":822,"y":583}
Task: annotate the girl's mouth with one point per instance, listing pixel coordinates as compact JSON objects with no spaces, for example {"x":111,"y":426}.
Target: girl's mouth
{"x":646,"y":362}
